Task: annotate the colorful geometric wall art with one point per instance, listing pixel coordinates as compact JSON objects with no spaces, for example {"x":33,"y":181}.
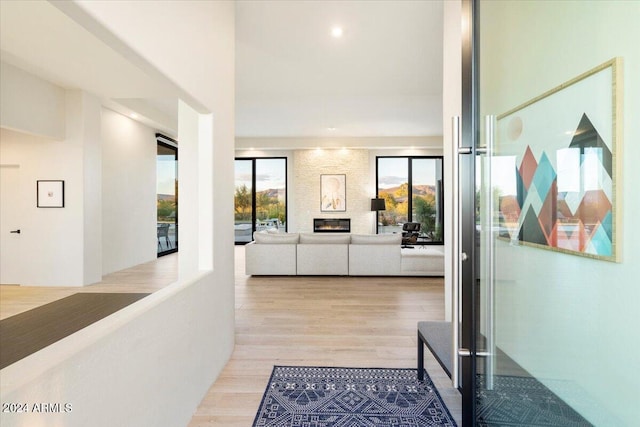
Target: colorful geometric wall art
{"x":562,"y":194}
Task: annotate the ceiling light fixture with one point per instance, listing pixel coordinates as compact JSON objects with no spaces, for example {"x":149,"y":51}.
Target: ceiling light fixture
{"x":336,"y":32}
{"x":133,"y":115}
{"x":331,"y":129}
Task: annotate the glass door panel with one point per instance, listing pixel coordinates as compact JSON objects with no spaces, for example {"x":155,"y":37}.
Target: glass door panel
{"x":271,"y":194}
{"x":544,"y":249}
{"x":167,"y":198}
{"x":426,"y":193}
{"x":412,"y":190}
{"x":260,"y":196}
{"x":243,"y":201}
{"x":393,"y":187}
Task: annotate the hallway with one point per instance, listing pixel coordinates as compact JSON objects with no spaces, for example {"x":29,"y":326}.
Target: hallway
{"x":321,"y":321}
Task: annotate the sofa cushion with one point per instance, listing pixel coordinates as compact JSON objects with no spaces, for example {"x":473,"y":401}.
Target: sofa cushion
{"x":322,"y":259}
{"x":374,"y":260}
{"x":313,"y":238}
{"x":280,"y":238}
{"x":376,"y":239}
{"x":423,"y":261}
{"x":270,"y":260}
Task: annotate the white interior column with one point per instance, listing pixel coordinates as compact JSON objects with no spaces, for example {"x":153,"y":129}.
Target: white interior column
{"x":188,"y":192}
{"x":83,"y":192}
{"x":205,"y":190}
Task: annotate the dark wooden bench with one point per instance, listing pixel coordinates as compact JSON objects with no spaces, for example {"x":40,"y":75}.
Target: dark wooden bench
{"x":436,"y":335}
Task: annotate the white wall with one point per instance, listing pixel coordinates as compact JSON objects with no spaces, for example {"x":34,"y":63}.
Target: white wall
{"x":170,"y":347}
{"x":386,"y":142}
{"x":51,"y":239}
{"x":149,"y":361}
{"x":60,"y":246}
{"x":84,"y":129}
{"x":30,"y":104}
{"x":188,"y":191}
{"x":108,"y":164}
{"x":579,"y":324}
{"x":194,"y":48}
{"x":128,"y":192}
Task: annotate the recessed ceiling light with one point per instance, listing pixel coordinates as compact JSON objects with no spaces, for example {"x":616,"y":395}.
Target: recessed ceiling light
{"x":331,"y":129}
{"x":133,"y":115}
{"x":336,"y":32}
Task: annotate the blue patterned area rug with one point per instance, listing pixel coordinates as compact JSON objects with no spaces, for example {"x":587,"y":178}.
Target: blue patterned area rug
{"x":298,"y":396}
{"x":522,"y":401}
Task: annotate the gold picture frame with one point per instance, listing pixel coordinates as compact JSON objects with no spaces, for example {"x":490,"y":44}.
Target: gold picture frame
{"x":565,"y":145}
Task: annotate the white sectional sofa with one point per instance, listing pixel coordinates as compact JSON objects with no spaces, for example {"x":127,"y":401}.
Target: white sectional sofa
{"x":339,"y":254}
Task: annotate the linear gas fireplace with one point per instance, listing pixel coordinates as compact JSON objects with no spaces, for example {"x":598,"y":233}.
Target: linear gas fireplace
{"x":337,"y":225}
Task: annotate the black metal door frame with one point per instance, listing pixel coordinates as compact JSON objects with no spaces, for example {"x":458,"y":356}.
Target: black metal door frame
{"x":469,"y":138}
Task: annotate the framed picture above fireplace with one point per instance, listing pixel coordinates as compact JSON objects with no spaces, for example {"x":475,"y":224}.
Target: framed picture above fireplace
{"x":333,"y":193}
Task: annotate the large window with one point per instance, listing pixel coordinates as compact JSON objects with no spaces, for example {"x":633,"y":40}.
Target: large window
{"x":167,"y":195}
{"x":412,"y":190}
{"x":260,"y":196}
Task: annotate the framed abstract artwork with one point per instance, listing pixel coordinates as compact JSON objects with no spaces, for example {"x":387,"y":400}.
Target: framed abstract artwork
{"x":333,"y":193}
{"x":50,"y":194}
{"x":563,"y":147}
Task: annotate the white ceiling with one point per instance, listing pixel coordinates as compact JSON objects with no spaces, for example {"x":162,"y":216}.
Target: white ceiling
{"x":382,"y":78}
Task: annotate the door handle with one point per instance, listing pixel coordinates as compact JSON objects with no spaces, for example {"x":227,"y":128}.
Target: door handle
{"x":464,"y":352}
{"x":490,"y":125}
{"x":458,"y":256}
{"x":15,"y":231}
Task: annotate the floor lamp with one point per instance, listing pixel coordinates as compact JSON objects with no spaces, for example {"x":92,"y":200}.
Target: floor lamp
{"x":377,"y":205}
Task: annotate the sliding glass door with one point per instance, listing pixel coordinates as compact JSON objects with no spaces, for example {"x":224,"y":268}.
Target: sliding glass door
{"x":260,"y":196}
{"x":544,"y":287}
{"x":167,"y":195}
{"x":412,"y":190}
{"x":244,"y":201}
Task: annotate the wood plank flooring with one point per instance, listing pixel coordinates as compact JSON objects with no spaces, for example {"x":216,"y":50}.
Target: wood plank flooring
{"x":143,"y":278}
{"x":321,"y":321}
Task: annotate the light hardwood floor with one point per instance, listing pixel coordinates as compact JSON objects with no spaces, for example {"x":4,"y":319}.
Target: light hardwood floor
{"x":321,"y":321}
{"x":147,"y":277}
{"x":310,"y":321}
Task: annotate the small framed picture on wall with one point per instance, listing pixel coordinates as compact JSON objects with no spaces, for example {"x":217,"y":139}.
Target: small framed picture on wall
{"x":50,"y":194}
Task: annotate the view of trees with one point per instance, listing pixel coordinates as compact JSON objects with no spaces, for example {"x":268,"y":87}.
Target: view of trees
{"x":411,"y":189}
{"x":166,"y":209}
{"x":268,"y":205}
{"x":242,"y":203}
{"x":397,"y":207}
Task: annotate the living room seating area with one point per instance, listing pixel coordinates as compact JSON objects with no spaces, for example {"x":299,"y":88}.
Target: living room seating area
{"x":340,"y":254}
